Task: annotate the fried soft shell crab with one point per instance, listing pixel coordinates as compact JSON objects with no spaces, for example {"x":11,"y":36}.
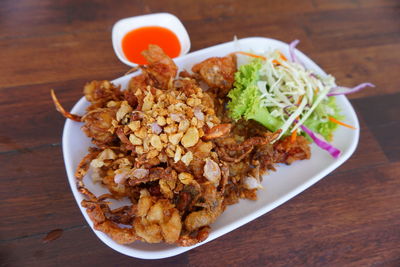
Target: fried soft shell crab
{"x":169,"y":147}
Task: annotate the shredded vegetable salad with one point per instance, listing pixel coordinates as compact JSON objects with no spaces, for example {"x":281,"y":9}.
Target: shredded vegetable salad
{"x":282,"y":94}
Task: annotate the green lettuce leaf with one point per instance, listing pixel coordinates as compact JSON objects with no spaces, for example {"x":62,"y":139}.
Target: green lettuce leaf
{"x":245,"y":97}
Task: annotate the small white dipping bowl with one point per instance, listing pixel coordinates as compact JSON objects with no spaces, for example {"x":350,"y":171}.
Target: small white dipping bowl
{"x":166,"y":20}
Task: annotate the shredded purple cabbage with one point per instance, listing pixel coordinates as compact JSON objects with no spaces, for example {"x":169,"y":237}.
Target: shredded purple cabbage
{"x":341,"y":90}
{"x":321,"y":143}
{"x":292,"y":53}
{"x":288,"y":106}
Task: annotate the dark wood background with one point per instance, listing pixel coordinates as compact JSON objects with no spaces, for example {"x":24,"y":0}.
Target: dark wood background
{"x":350,"y":218}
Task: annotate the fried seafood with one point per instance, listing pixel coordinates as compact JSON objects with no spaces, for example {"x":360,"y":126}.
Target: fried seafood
{"x":168,"y":147}
{"x":161,"y":68}
{"x":217,"y":72}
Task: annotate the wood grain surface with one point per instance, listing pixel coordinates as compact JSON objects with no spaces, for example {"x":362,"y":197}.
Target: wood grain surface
{"x":349,"y":218}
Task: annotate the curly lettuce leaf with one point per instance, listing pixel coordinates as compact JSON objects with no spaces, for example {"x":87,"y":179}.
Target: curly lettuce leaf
{"x":242,"y":95}
{"x":245,"y":97}
{"x":261,"y":114}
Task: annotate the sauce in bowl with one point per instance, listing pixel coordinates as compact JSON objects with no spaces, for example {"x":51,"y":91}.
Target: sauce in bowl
{"x":130,"y":36}
{"x":137,"y":40}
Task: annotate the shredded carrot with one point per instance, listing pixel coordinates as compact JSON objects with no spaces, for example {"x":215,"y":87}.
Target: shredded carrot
{"x":316,"y":90}
{"x":293,"y":137}
{"x":276,"y":62}
{"x":299,"y":101}
{"x":251,"y":55}
{"x":262,"y":57}
{"x":282,"y":56}
{"x":341,"y":123}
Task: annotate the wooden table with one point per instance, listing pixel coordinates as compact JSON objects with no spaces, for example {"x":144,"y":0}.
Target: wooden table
{"x":350,"y":218}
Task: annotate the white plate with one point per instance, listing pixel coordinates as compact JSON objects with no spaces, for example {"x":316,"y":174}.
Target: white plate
{"x":279,"y":186}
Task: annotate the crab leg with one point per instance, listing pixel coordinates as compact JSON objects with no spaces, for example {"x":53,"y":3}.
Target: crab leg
{"x":60,"y":109}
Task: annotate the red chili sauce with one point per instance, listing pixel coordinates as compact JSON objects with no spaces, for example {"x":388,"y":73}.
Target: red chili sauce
{"x":134,"y":42}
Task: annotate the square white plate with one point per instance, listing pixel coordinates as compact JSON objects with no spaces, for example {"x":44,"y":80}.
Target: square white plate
{"x":279,"y":186}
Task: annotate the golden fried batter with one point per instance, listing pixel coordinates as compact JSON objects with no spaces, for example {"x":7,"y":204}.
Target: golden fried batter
{"x":218,"y":73}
